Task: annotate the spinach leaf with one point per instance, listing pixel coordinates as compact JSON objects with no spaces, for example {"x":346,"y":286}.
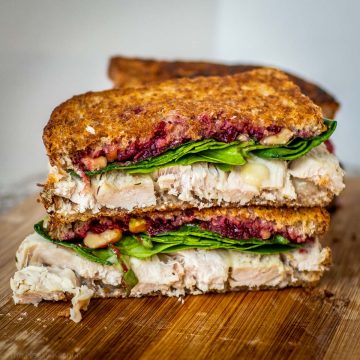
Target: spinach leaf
{"x":223,"y":154}
{"x":133,"y":248}
{"x":208,"y":150}
{"x":101,"y":256}
{"x":296,"y":148}
{"x":192,"y":237}
{"x":186,"y":238}
{"x":106,"y":256}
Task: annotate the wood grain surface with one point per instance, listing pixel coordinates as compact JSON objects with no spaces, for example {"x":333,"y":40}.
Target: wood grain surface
{"x":292,"y":323}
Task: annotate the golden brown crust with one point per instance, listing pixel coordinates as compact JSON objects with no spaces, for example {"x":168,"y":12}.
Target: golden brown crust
{"x":308,"y":221}
{"x":134,"y":72}
{"x":259,"y":99}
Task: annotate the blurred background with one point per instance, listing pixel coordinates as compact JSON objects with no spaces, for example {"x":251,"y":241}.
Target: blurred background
{"x":51,"y":50}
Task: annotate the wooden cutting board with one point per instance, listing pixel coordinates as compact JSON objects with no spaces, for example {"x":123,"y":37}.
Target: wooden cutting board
{"x":292,"y":323}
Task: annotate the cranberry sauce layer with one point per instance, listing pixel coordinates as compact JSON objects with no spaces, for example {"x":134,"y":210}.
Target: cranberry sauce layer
{"x":235,"y":228}
{"x":165,"y":137}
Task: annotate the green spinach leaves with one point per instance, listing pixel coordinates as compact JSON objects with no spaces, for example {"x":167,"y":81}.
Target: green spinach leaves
{"x":223,"y":154}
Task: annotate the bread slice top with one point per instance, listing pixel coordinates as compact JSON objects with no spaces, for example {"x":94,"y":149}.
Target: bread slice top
{"x":133,"y":72}
{"x":258,"y":104}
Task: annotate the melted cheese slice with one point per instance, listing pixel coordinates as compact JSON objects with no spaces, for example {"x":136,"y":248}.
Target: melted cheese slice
{"x":255,"y":174}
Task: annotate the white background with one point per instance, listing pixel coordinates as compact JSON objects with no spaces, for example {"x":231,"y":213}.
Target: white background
{"x":51,"y":50}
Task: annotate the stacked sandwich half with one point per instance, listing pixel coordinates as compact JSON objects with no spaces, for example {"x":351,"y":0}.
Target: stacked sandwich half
{"x":182,"y":187}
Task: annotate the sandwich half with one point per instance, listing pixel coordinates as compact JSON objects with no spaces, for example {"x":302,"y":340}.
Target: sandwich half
{"x":247,"y":139}
{"x":182,"y":187}
{"x":134,"y":72}
{"x":170,"y":253}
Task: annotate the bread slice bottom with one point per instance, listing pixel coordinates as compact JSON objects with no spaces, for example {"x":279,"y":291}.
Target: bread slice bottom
{"x":50,"y":272}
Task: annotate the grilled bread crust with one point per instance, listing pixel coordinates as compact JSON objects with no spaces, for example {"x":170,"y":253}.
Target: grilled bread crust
{"x":133,"y":72}
{"x":261,"y":101}
{"x":305,"y":221}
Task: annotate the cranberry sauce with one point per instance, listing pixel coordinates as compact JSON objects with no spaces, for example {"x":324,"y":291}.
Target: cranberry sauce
{"x":226,"y":226}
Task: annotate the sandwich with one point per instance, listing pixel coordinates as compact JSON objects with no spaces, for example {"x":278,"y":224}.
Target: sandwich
{"x":182,"y":187}
{"x":134,"y":72}
{"x":248,"y":139}
{"x":171,"y":253}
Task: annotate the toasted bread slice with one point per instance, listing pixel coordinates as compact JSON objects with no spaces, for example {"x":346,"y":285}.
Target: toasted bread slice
{"x":147,"y":121}
{"x":298,"y":225}
{"x":133,"y":72}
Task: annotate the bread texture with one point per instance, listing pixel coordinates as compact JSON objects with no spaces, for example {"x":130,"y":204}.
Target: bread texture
{"x":133,"y":72}
{"x":258,"y":104}
{"x":299,"y":224}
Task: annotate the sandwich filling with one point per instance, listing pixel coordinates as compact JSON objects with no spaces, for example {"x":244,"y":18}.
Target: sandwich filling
{"x":113,"y":248}
{"x":48,"y":271}
{"x":112,"y":241}
{"x":226,"y":151}
{"x":311,"y":180}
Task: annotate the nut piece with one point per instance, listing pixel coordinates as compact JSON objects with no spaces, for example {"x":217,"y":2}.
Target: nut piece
{"x":137,"y":225}
{"x":94,"y":164}
{"x":281,"y":138}
{"x":111,"y":155}
{"x":95,"y":241}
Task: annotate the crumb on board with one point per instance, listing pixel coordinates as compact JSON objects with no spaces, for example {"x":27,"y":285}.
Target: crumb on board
{"x":328,"y":293}
{"x":64,"y":313}
{"x":329,"y":297}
